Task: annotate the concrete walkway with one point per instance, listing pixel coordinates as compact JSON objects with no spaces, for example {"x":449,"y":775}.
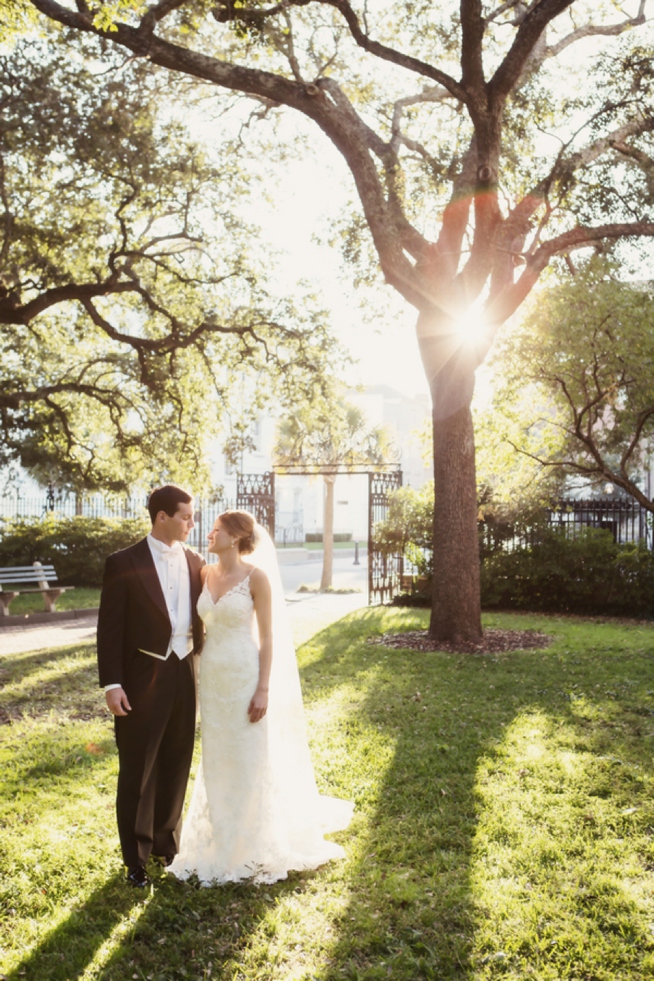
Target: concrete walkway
{"x":308,"y":614}
{"x":42,"y":636}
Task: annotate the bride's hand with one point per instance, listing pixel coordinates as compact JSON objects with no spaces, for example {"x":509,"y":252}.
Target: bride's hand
{"x":258,"y":705}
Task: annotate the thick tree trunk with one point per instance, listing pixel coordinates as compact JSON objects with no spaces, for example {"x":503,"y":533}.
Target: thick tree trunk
{"x":456,"y":608}
{"x":328,"y":533}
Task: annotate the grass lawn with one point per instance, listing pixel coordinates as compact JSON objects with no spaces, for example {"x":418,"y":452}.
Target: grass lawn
{"x":504,"y":824}
{"x":79,"y":598}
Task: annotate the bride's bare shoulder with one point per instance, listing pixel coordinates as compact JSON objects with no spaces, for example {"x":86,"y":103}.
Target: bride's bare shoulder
{"x":258,"y":577}
{"x":204,"y":572}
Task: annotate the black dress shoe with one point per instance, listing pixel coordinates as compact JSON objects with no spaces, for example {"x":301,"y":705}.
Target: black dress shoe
{"x":137,"y":876}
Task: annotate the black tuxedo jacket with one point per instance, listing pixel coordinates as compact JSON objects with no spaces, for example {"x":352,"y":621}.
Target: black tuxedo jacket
{"x":133,"y":613}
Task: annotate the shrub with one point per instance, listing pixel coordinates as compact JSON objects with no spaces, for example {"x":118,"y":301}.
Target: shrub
{"x":408,"y":526}
{"x":587,"y":574}
{"x":77,"y":547}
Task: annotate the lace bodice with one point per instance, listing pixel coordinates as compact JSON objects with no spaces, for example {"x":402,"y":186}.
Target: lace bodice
{"x":232,"y":610}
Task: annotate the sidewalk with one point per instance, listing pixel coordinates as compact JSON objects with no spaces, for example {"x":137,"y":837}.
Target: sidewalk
{"x":309,"y":613}
{"x":42,"y":636}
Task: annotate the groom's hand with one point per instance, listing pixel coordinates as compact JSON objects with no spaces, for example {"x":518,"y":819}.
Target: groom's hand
{"x":117,"y":701}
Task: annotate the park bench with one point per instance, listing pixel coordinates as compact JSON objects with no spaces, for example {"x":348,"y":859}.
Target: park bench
{"x":16,"y":576}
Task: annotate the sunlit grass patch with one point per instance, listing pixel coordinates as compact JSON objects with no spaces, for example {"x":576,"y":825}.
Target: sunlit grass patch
{"x":558,"y":873}
{"x":503,"y":824}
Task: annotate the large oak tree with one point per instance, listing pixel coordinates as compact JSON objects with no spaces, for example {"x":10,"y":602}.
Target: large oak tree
{"x":482,"y":138}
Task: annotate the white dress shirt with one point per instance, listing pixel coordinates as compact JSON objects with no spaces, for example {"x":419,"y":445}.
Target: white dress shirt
{"x":172,"y":572}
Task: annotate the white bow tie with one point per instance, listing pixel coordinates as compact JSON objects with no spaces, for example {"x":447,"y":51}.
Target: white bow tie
{"x":170,"y":549}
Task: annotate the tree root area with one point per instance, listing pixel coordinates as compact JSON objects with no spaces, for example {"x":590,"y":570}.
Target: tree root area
{"x":494,"y":641}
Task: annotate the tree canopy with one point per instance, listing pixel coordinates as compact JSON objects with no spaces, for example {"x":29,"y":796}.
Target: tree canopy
{"x":131,"y":298}
{"x":577,"y":392}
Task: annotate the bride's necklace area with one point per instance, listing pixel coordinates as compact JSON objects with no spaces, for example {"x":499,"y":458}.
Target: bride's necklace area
{"x":224,"y":582}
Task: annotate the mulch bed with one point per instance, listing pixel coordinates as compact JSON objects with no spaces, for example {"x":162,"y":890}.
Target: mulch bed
{"x":494,"y":642}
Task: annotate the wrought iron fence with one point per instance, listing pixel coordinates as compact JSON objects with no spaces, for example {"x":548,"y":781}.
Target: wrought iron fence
{"x":289,"y":525}
{"x":69,"y":506}
{"x":626,"y":520}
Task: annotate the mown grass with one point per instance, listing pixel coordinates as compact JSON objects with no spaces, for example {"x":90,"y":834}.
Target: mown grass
{"x":504,"y":824}
{"x":80,"y":598}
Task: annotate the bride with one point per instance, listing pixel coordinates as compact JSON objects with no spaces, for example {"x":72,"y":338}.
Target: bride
{"x":255,"y":811}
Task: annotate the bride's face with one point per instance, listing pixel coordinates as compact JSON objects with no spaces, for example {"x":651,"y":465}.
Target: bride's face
{"x":219,"y":538}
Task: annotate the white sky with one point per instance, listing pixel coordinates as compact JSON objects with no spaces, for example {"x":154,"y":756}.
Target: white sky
{"x":386,"y":348}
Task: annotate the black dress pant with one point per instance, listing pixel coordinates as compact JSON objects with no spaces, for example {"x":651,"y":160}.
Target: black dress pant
{"x":155,"y":748}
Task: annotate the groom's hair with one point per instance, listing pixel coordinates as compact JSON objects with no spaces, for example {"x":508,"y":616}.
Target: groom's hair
{"x":167,"y":498}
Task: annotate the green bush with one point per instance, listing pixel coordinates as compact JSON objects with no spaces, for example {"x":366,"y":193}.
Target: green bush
{"x":588,"y":574}
{"x":409,"y":527}
{"x":77,"y":547}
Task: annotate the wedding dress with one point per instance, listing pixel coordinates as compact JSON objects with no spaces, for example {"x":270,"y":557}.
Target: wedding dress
{"x":255,"y":810}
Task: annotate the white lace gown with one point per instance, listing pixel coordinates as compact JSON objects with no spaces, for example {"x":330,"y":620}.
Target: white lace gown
{"x":255,"y":811}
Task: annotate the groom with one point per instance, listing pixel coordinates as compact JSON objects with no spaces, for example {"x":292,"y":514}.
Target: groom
{"x":148,"y":634}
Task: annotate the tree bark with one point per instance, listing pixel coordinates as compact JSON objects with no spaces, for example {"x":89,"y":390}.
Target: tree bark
{"x":328,"y":532}
{"x":450,"y":357}
{"x":456,"y":603}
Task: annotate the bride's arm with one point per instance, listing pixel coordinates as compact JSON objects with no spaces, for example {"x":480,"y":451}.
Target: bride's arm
{"x":261,"y":595}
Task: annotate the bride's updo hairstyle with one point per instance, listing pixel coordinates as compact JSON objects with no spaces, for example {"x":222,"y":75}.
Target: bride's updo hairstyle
{"x":242,"y":525}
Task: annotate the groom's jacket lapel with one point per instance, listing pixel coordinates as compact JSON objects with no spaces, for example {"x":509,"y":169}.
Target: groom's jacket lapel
{"x":144,"y":565}
{"x":194,"y":562}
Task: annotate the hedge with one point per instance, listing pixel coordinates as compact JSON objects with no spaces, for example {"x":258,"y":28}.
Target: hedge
{"x":77,"y":547}
{"x":589,"y":574}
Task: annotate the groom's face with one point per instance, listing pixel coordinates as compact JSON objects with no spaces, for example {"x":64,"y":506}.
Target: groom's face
{"x":177,"y":527}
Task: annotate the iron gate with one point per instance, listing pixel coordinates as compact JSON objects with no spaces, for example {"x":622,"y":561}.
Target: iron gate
{"x":255,"y":492}
{"x":384,"y":568}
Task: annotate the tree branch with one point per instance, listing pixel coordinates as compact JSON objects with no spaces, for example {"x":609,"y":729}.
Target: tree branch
{"x":534,"y":23}
{"x":472,"y":34}
{"x":507,"y":302}
{"x":12,"y":312}
{"x":597,"y":30}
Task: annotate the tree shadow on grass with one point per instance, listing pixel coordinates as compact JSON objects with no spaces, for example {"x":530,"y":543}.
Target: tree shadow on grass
{"x":188,"y":931}
{"x":169,"y":932}
{"x":65,"y":683}
{"x":416,"y":906}
{"x":67,"y":950}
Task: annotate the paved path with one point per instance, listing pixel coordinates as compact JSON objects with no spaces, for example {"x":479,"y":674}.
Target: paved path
{"x":308,"y":616}
{"x":39,"y":636}
{"x":309,"y":612}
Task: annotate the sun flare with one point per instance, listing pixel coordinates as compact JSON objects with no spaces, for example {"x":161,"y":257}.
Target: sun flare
{"x":471,"y":325}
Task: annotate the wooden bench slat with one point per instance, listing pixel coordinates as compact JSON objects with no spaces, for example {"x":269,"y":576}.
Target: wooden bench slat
{"x":22,"y":568}
{"x":34,"y":572}
{"x":24,"y":572}
{"x":26,"y":575}
{"x":40,"y":589}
